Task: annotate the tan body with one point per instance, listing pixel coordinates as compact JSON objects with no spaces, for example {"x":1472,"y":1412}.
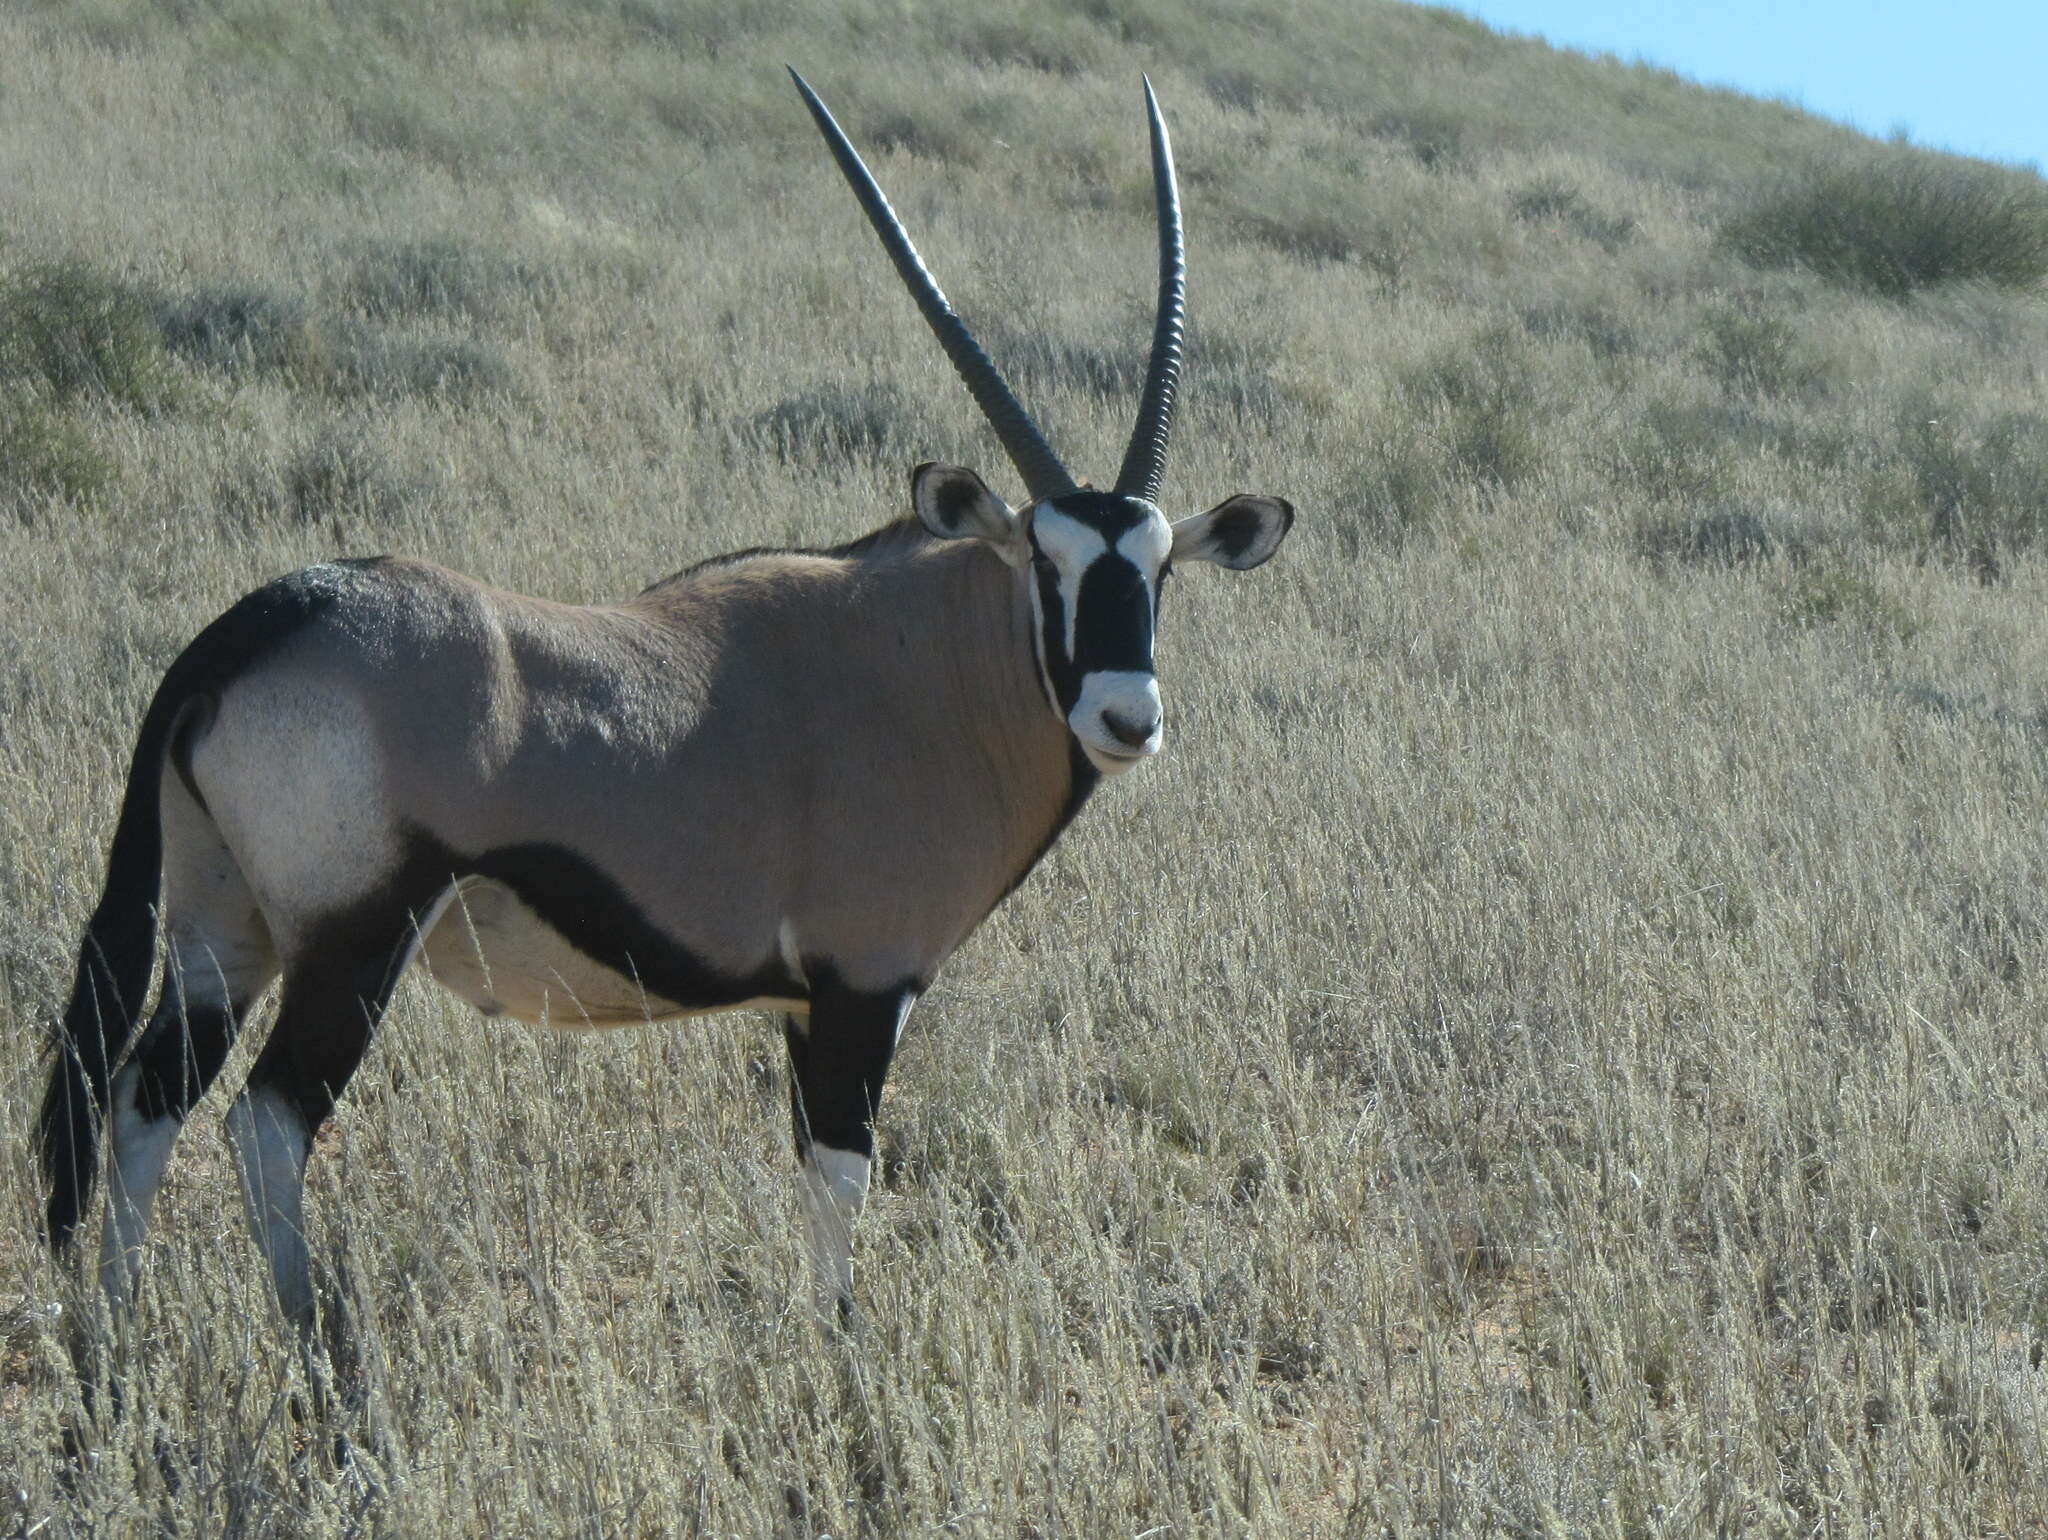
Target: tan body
{"x":740,"y":749}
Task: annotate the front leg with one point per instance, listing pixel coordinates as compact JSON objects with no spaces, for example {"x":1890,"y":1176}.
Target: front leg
{"x":838,"y":1060}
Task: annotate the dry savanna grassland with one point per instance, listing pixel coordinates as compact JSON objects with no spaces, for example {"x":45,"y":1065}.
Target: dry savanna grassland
{"x":1553,"y":1048}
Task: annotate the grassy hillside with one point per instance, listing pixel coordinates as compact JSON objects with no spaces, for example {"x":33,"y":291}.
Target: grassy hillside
{"x":1555,"y":1047}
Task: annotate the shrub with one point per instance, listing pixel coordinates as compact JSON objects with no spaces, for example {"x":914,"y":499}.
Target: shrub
{"x":831,"y":422}
{"x":1041,"y":365}
{"x":1727,"y":537}
{"x":1679,"y":449}
{"x":1435,"y":136}
{"x":1553,"y":201}
{"x":1328,"y":236}
{"x":45,"y":452}
{"x":238,"y":330}
{"x":1493,"y":443}
{"x":337,"y":481}
{"x":84,"y":336}
{"x":438,"y":278}
{"x":1392,"y":496}
{"x":1234,"y":375}
{"x":1601,"y":324}
{"x":1818,"y":593}
{"x":340,"y":479}
{"x":1478,"y":400}
{"x":1966,"y":491}
{"x":1754,"y":352}
{"x":1900,"y":223}
{"x":451,"y":370}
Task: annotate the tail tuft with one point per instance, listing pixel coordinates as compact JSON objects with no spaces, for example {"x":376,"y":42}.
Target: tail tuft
{"x":114,"y":964}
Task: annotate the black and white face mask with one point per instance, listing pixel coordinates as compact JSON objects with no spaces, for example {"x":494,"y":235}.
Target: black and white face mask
{"x":1095,"y":562}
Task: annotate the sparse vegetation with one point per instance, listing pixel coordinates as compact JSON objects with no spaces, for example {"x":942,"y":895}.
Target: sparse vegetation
{"x":1553,"y":1048}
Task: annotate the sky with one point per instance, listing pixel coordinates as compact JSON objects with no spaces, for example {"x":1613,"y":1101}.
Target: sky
{"x":1966,"y":75}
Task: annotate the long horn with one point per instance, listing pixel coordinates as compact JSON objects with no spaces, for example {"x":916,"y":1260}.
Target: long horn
{"x":1145,"y":460}
{"x":1041,"y":468}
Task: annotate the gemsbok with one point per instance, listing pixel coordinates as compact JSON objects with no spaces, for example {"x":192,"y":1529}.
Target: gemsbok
{"x":795,"y":779}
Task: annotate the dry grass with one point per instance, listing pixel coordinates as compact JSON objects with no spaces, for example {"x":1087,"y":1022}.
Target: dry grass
{"x":1555,"y":1047}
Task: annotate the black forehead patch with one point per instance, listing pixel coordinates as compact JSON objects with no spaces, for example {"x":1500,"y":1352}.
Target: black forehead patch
{"x":1110,"y":514}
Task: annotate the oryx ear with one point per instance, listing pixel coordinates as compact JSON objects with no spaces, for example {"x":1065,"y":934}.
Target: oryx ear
{"x":955,"y":504}
{"x":1239,"y":533}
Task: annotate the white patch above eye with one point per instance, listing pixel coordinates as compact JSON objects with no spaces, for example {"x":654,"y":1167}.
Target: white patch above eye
{"x":1069,"y":543}
{"x":1147,"y":546}
{"x":1070,"y":546}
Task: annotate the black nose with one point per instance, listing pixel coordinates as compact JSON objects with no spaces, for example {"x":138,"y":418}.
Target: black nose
{"x":1134,"y":734}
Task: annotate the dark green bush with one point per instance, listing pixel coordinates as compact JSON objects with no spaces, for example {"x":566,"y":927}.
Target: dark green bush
{"x":1477,"y":403}
{"x":1435,"y":136}
{"x":1389,"y":496}
{"x":1686,"y":447}
{"x":1328,"y":236}
{"x":1040,"y":364}
{"x":81,"y":335}
{"x":1900,"y":222}
{"x":1235,"y":375}
{"x":339,"y":480}
{"x":1492,"y":443}
{"x":832,"y":422}
{"x":1601,"y":324}
{"x":238,"y":330}
{"x":46,"y":452}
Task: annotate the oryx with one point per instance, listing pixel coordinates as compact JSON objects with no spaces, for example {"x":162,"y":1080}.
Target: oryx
{"x":795,"y":779}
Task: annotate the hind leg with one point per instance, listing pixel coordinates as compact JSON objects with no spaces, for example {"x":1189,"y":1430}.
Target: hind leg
{"x":220,"y":960}
{"x":335,"y":993}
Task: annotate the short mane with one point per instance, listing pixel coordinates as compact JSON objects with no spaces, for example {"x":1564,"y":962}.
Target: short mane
{"x":898,"y":535}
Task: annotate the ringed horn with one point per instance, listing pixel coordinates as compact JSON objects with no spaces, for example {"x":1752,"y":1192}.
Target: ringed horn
{"x":1145,"y":459}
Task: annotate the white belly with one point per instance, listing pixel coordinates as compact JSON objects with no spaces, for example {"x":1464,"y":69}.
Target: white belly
{"x":499,"y":955}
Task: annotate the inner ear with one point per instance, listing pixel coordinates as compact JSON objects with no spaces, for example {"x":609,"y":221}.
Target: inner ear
{"x":955,"y":504}
{"x":1238,"y":533}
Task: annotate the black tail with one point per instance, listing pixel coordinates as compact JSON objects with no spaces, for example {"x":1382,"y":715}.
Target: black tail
{"x":118,"y":954}
{"x":115,"y":961}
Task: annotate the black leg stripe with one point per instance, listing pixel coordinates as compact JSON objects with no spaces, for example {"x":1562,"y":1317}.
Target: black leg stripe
{"x":179,"y":1056}
{"x":838,"y":1066}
